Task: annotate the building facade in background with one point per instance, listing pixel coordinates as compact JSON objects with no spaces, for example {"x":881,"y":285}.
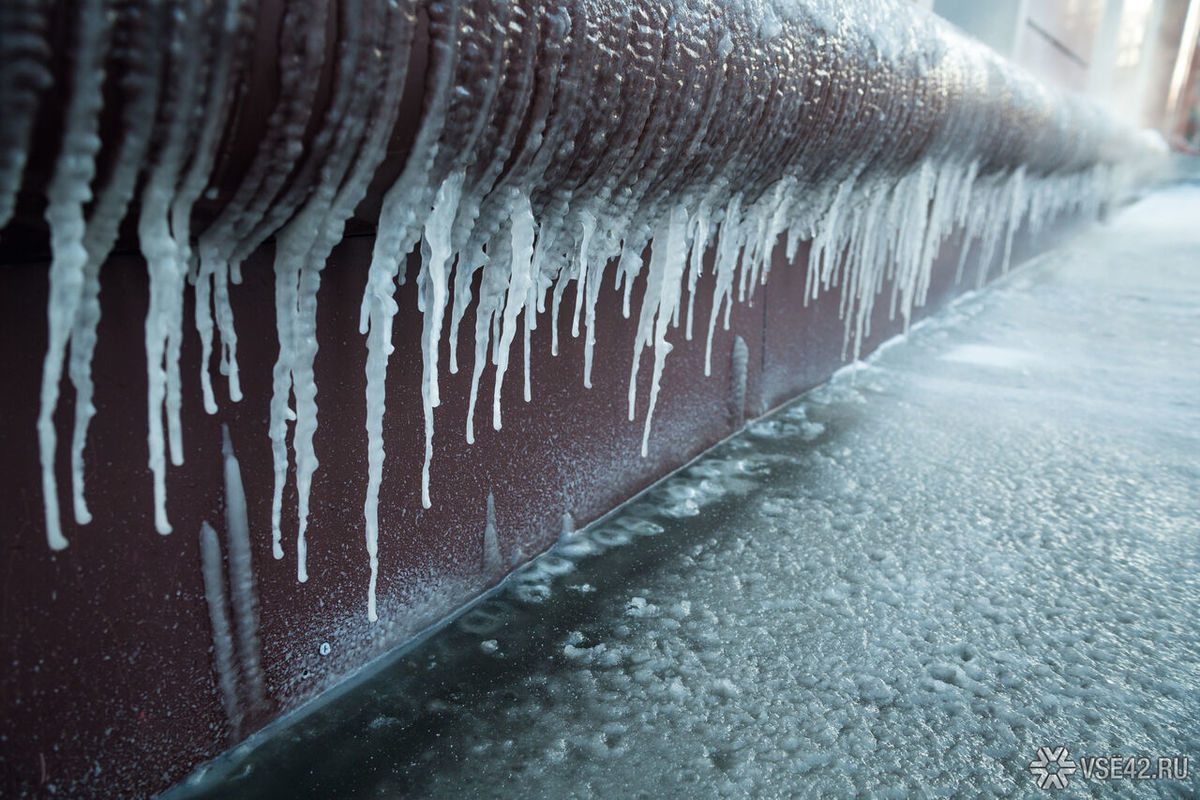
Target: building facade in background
{"x":1137,"y":57}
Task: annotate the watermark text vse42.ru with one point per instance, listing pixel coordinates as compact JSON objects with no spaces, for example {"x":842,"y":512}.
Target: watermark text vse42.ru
{"x":1054,"y":768}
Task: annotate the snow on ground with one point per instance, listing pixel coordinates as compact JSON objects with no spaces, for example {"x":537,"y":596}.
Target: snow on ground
{"x":982,"y":542}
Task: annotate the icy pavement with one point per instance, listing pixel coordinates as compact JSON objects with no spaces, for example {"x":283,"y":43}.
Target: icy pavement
{"x":982,"y":543}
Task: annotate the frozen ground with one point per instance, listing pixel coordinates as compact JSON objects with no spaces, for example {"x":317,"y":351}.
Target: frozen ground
{"x":984,"y":542}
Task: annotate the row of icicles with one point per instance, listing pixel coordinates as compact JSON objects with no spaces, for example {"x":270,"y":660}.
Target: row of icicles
{"x":866,"y":231}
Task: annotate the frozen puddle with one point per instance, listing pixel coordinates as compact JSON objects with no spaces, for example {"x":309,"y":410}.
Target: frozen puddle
{"x":903,"y":585}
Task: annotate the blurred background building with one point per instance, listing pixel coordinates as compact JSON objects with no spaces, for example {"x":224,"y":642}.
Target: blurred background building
{"x":1138,"y":57}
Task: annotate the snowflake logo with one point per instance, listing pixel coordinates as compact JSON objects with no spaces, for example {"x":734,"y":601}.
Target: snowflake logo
{"x":1052,"y":767}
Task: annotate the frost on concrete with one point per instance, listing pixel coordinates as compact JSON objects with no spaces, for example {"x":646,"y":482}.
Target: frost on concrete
{"x":868,"y":127}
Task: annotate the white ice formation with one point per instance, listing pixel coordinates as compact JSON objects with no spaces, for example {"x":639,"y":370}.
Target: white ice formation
{"x":222,"y":629}
{"x":233,"y":613}
{"x":492,"y":562}
{"x":736,"y":130}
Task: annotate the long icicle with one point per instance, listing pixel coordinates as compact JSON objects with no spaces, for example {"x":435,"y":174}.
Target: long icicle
{"x":434,"y":287}
{"x":390,"y":60}
{"x":167,"y":271}
{"x":69,"y":190}
{"x":141,"y":86}
{"x":399,"y":218}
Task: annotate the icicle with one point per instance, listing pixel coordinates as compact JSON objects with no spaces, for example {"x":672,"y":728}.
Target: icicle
{"x":484,"y":96}
{"x":69,"y":190}
{"x":667,"y":263}
{"x":297,"y":274}
{"x":752,"y":237}
{"x":399,"y":221}
{"x":739,"y":363}
{"x":289,"y":254}
{"x":204,"y":326}
{"x":1016,"y":212}
{"x":492,"y":561}
{"x":587,"y":227}
{"x":559,"y":289}
{"x":311,"y":236}
{"x":533,"y":303}
{"x":379,"y":347}
{"x":464,"y":272}
{"x":224,"y":272}
{"x":164,"y":318}
{"x":492,"y":290}
{"x":163,"y":188}
{"x":305,"y":390}
{"x":166,"y":279}
{"x":865,"y":269}
{"x":915,"y":200}
{"x":825,"y":255}
{"x":723,"y":267}
{"x":526,"y":387}
{"x":222,"y":630}
{"x":519,"y":283}
{"x":141,"y":84}
{"x":241,"y":574}
{"x":546,"y":237}
{"x":628,"y":267}
{"x":992,"y":216}
{"x":591,"y":292}
{"x":696,"y":265}
{"x":240,"y":226}
{"x":434,"y":288}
